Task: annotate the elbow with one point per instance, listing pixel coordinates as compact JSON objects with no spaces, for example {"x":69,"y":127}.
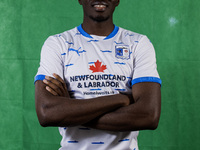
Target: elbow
{"x":47,"y":117}
{"x":43,"y":124}
{"x":154,"y":120}
{"x":154,"y":125}
{"x":43,"y":116}
{"x":43,"y":121}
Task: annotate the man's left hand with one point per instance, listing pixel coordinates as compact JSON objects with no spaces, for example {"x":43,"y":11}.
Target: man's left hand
{"x":56,"y":86}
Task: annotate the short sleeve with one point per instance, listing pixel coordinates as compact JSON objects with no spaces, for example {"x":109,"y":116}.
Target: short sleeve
{"x":50,"y":59}
{"x":145,"y":67}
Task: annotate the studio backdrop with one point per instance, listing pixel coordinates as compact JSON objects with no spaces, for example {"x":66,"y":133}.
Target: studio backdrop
{"x":172,"y":26}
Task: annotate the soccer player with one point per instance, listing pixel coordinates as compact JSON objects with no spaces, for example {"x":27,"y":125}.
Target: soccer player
{"x":98,"y":83}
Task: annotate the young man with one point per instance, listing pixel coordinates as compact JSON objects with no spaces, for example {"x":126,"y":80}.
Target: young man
{"x":98,"y":83}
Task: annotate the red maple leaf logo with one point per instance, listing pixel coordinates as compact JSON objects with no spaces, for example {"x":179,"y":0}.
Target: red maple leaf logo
{"x":97,"y":67}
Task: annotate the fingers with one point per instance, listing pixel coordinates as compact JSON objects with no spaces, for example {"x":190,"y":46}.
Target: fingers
{"x":54,"y":81}
{"x":57,"y":85}
{"x":58,"y":78}
{"x":61,"y":80}
{"x":51,"y":91}
{"x":52,"y":87}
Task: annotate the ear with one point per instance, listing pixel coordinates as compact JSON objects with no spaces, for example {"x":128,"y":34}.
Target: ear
{"x":80,"y":2}
{"x":117,"y":2}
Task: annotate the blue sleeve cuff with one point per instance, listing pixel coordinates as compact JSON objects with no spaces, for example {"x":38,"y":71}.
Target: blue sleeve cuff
{"x":146,"y":79}
{"x":39,"y":77}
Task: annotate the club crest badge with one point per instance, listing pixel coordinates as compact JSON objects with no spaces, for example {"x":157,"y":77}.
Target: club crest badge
{"x":122,"y":52}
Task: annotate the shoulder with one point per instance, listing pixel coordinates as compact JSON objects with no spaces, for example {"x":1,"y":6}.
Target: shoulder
{"x":133,"y":38}
{"x":64,"y":36}
{"x":130,"y":34}
{"x":62,"y":40}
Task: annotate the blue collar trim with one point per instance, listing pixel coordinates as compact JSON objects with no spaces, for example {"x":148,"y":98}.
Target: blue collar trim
{"x":112,"y":34}
{"x":80,"y":29}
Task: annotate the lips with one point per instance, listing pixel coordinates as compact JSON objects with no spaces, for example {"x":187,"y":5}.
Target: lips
{"x":100,"y":6}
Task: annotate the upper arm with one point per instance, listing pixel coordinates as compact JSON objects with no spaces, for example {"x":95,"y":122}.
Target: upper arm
{"x":147,"y":96}
{"x":42,"y":98}
{"x":51,"y":61}
{"x":41,"y":94}
{"x":146,"y":82}
{"x":46,"y":104}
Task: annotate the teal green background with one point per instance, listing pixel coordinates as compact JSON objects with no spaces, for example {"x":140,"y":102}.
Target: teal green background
{"x":172,"y":26}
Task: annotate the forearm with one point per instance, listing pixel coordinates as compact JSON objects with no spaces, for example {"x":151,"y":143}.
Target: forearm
{"x":77,"y":112}
{"x":141,"y":115}
{"x":62,"y":111}
{"x":127,"y":118}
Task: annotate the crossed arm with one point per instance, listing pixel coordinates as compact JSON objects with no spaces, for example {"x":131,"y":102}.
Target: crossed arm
{"x":117,"y":112}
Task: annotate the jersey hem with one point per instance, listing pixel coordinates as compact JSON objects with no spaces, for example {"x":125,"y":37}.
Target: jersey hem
{"x":146,"y":79}
{"x":39,"y":77}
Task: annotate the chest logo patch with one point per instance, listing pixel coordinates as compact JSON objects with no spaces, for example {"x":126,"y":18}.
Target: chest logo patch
{"x":97,"y":67}
{"x":122,"y":52}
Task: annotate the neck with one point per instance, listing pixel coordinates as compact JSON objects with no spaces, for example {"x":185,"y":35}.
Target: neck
{"x":103,"y":28}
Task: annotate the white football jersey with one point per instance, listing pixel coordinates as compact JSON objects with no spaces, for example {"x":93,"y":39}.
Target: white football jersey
{"x":95,"y":66}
